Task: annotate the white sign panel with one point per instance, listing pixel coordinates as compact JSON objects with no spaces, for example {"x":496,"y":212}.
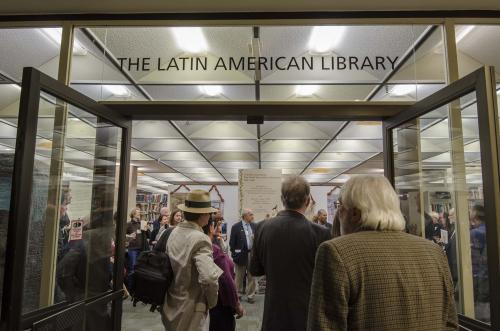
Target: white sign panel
{"x":260,"y":190}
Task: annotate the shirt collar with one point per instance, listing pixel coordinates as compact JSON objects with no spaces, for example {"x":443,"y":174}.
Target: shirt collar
{"x":190,"y":225}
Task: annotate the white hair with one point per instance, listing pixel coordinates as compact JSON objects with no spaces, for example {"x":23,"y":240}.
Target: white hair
{"x":377,"y":201}
{"x":245,"y":211}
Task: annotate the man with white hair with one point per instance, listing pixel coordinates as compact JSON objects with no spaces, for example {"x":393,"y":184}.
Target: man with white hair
{"x":241,"y":243}
{"x":375,"y":276}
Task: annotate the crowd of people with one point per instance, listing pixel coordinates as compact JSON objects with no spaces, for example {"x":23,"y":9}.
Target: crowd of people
{"x":363,"y":272}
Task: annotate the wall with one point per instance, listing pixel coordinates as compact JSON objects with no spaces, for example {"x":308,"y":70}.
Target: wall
{"x":230,"y":195}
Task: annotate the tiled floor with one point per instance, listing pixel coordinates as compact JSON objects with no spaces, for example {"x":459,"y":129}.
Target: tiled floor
{"x":139,"y":318}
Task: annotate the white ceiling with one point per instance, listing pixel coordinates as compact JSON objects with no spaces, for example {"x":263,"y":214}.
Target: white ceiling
{"x":161,"y":152}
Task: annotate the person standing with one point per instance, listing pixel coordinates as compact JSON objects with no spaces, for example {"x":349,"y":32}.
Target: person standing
{"x":375,"y":276}
{"x":158,"y":224}
{"x":284,"y":251}
{"x":137,"y":236}
{"x":241,"y":243}
{"x":228,"y":304}
{"x":322,"y":217}
{"x":196,"y":277}
{"x":162,"y":236}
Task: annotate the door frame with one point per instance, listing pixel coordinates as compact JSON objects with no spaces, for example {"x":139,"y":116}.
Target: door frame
{"x":482,"y":81}
{"x":33,"y":83}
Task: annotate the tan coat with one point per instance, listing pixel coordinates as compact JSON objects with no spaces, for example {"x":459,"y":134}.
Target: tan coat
{"x":374,"y":280}
{"x":195,"y":286}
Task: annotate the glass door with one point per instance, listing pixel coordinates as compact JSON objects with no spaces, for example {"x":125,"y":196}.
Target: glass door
{"x":65,"y":246}
{"x":441,"y":155}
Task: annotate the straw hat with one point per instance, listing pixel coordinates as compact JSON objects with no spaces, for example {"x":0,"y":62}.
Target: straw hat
{"x":197,"y":202}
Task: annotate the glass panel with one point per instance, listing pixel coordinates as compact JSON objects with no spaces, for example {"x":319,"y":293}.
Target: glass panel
{"x":437,"y":172}
{"x":477,"y":45}
{"x":98,"y":317}
{"x":74,"y":200}
{"x":23,"y":47}
{"x":299,"y":63}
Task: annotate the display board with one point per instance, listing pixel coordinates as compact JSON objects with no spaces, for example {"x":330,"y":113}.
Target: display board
{"x":260,"y":190}
{"x":331,"y":199}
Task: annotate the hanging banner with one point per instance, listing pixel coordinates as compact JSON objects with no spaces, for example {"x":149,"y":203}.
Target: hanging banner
{"x":260,"y":190}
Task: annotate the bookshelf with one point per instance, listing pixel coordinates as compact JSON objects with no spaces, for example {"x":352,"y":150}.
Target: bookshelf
{"x":150,"y":204}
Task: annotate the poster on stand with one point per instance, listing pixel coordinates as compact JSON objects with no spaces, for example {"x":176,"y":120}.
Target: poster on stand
{"x":331,"y":200}
{"x":260,"y":190}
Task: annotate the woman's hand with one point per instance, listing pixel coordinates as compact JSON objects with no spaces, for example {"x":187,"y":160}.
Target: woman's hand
{"x":239,"y":311}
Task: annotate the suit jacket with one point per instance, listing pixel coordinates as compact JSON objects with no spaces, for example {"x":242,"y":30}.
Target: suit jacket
{"x":238,"y":243}
{"x":284,"y":251}
{"x":195,"y":285}
{"x":374,"y":280}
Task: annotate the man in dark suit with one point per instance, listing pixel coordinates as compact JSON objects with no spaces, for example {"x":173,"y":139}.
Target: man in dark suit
{"x":284,"y":251}
{"x":241,"y":242}
{"x":323,"y":219}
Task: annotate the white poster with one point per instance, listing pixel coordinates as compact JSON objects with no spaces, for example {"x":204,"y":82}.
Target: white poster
{"x":332,"y":208}
{"x":260,"y":190}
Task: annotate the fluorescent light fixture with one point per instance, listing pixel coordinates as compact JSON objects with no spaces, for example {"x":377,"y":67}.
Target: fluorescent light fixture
{"x":55,"y":34}
{"x":211,"y":90}
{"x":463,"y":32}
{"x":17,"y":87}
{"x":190,"y":39}
{"x":118,"y":90}
{"x":400,"y":90}
{"x":306,"y":90}
{"x":324,"y":38}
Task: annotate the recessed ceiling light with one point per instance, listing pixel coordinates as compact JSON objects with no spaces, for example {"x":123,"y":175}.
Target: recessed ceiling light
{"x":211,"y":90}
{"x":190,"y":39}
{"x":55,"y":34}
{"x":324,"y":38}
{"x":306,"y":90}
{"x":404,"y":89}
{"x":118,"y":90}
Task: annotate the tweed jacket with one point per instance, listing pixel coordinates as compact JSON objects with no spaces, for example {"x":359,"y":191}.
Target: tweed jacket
{"x":284,"y":251}
{"x":195,"y":285}
{"x":374,"y":280}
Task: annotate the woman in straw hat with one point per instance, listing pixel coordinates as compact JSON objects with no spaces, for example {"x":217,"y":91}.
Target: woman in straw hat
{"x":195,"y":285}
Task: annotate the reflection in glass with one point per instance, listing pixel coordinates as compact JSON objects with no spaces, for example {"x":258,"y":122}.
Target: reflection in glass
{"x":74,"y":200}
{"x":21,"y":47}
{"x":437,"y":171}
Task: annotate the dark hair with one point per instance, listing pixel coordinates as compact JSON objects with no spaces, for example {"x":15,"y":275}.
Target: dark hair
{"x":479,"y":212}
{"x":172,"y":216}
{"x":295,"y":191}
{"x":192,"y":217}
{"x":206,"y":228}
